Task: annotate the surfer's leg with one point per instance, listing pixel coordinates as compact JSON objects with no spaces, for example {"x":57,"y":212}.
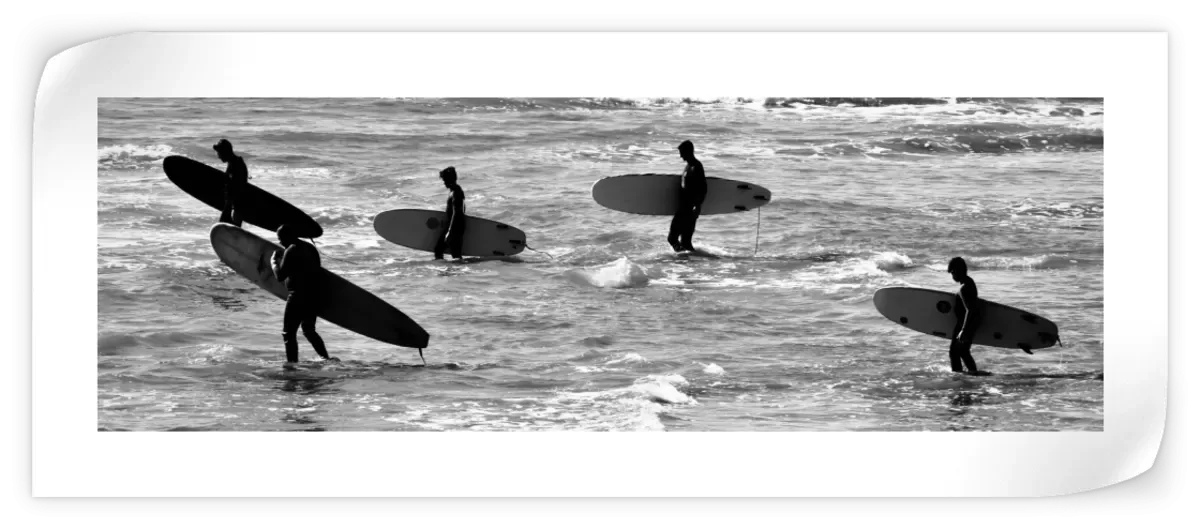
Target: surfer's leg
{"x":292,"y":316}
{"x":965,"y":353}
{"x":673,"y":235}
{"x":227,"y":211}
{"x":689,"y":228}
{"x":955,"y":361}
{"x":454,"y":240}
{"x":309,"y":326}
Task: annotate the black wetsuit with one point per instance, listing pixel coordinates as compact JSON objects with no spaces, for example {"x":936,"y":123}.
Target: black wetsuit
{"x":960,"y":350}
{"x":239,"y":178}
{"x":451,"y":238}
{"x":683,"y":225}
{"x":299,"y":269}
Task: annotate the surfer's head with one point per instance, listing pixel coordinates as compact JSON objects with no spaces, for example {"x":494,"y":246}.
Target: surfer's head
{"x":224,"y":149}
{"x":286,"y":235}
{"x":687,"y":150}
{"x":957,"y":269}
{"x":449,"y":176}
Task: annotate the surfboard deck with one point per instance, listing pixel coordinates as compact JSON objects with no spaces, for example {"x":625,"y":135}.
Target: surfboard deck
{"x":260,"y":208}
{"x":658,"y":194}
{"x":347,"y":305}
{"x":419,"y":229}
{"x":932,"y":312}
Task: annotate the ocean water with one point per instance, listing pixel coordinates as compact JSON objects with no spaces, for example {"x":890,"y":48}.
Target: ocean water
{"x":603,"y":328}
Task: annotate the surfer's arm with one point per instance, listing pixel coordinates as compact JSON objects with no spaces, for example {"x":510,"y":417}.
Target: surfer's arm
{"x":455,"y":211}
{"x":970,"y":301}
{"x":281,"y":265}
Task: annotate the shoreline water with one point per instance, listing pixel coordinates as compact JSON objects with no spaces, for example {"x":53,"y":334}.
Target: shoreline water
{"x":610,"y":331}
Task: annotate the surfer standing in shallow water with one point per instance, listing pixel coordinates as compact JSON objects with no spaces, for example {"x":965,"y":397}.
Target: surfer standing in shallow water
{"x":299,"y":269}
{"x":451,"y":238}
{"x":691,"y":198}
{"x":966,"y":303}
{"x":238,"y":179}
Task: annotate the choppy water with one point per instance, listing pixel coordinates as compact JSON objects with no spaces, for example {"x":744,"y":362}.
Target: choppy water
{"x":607,"y":330}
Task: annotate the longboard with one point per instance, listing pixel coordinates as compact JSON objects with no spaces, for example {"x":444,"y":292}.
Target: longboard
{"x":346,"y":304}
{"x":932,"y":312}
{"x":419,"y":229}
{"x":658,"y":194}
{"x":259,"y":207}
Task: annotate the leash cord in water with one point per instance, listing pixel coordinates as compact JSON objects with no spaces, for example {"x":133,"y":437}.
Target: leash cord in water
{"x":314,"y":243}
{"x":756,"y":230}
{"x":532,"y":249}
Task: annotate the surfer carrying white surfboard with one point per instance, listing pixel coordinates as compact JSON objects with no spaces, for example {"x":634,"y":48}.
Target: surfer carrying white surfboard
{"x":693,"y":189}
{"x":966,"y":304}
{"x":298,"y":267}
{"x":451,"y":238}
{"x":238,"y":176}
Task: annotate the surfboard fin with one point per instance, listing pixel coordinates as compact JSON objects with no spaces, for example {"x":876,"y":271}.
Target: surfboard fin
{"x":421,"y":351}
{"x":1025,"y":347}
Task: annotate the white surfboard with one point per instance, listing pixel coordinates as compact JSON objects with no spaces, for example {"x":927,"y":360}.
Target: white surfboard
{"x":419,"y":229}
{"x":932,"y":312}
{"x":658,"y":194}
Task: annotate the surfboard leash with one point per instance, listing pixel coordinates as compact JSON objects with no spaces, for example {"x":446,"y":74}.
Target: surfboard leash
{"x":532,"y":249}
{"x":756,"y":230}
{"x":314,"y":243}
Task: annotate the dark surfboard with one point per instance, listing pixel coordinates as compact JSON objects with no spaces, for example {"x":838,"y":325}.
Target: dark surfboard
{"x":347,"y":305}
{"x":259,"y":207}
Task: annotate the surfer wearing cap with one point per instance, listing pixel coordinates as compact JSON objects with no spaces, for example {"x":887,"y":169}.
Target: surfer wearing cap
{"x":451,"y":238}
{"x":298,"y":267}
{"x":238,"y":176}
{"x":966,"y":303}
{"x":694,"y":188}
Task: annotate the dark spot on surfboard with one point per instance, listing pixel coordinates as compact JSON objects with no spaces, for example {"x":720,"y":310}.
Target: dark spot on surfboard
{"x":1048,"y":338}
{"x":943,"y":307}
{"x":502,"y":226}
{"x":938,"y":333}
{"x":998,"y":336}
{"x":743,"y":186}
{"x":496,"y":252}
{"x":432,"y":223}
{"x":903,"y":319}
{"x":759,"y":197}
{"x":515,"y":241}
{"x":740,"y":208}
{"x":1029,"y":318}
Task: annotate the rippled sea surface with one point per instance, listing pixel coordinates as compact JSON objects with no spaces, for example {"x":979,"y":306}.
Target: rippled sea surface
{"x":603,"y":327}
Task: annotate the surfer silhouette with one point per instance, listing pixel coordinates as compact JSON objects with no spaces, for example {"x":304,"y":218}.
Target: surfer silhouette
{"x":298,"y":267}
{"x":966,"y":303}
{"x":693,"y":189}
{"x":239,"y":178}
{"x":451,"y":238}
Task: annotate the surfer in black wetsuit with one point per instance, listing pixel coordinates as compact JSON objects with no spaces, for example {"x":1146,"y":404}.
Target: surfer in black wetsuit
{"x":966,"y":305}
{"x":451,"y":238}
{"x":694,"y":188}
{"x":299,"y":266}
{"x":239,"y":178}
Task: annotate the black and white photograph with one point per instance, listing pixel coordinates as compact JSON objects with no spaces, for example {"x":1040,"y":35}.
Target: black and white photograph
{"x":598,"y":265}
{"x":674,"y":263}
